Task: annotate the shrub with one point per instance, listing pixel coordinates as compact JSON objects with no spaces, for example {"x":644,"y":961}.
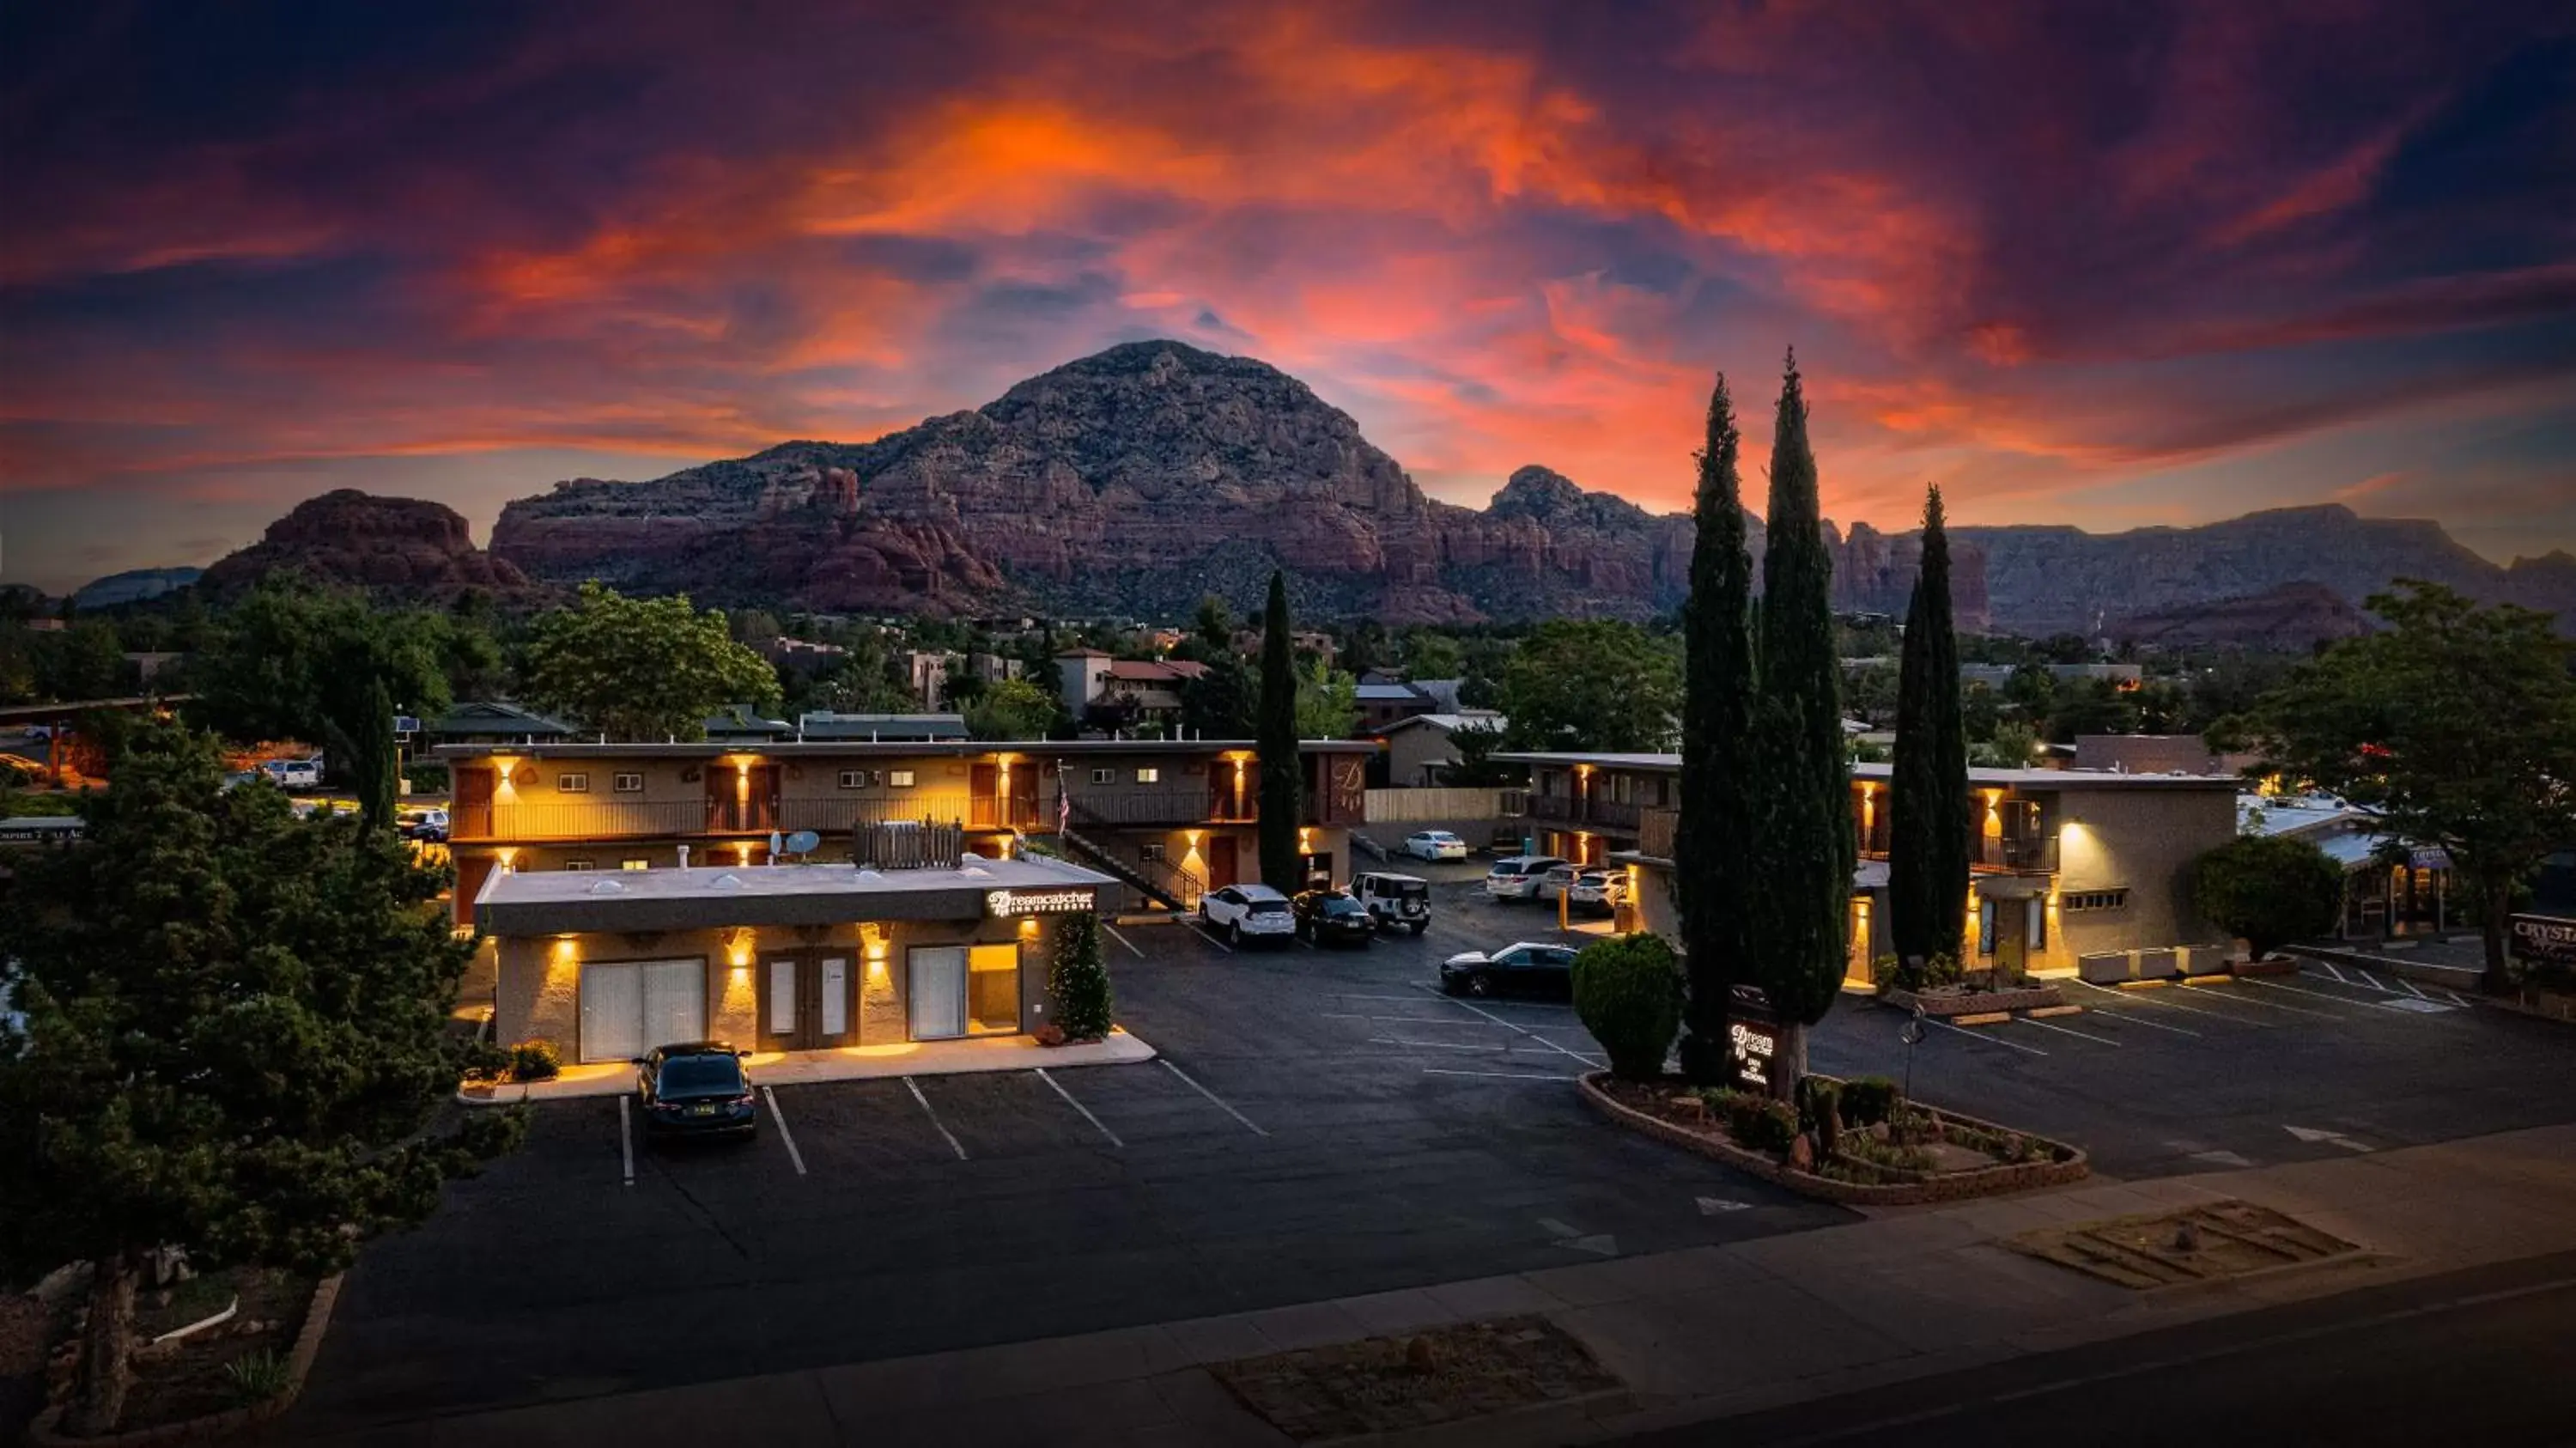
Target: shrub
{"x":2268,"y":889}
{"x":1868,"y":1100}
{"x":535,"y":1060}
{"x":1079,"y":980}
{"x":1761,"y":1123}
{"x":1820,"y":1111}
{"x":256,"y":1376}
{"x":1628,"y":990}
{"x":485,"y":1061}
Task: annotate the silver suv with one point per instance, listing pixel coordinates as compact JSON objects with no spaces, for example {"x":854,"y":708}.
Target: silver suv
{"x":1518,"y":877}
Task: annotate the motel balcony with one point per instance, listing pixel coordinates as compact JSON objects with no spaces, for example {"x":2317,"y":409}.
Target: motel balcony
{"x":1178,"y":806}
{"x":832,"y":813}
{"x":1584,"y":810}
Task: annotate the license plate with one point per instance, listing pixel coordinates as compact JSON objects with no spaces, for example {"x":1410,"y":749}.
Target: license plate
{"x":702,"y":1111}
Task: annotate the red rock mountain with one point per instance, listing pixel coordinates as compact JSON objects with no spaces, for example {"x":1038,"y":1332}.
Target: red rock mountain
{"x":1135,"y":481}
{"x":402,"y":547}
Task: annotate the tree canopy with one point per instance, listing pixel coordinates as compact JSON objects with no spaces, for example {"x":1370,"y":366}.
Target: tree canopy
{"x":235,"y":1040}
{"x":2457,"y":724}
{"x":641,"y":668}
{"x":1712,"y":865}
{"x":1592,"y":684}
{"x":1328,"y":705}
{"x":1283,"y":782}
{"x":1012,"y":709}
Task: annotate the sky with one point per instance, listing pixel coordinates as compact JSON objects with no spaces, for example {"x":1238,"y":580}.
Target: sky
{"x":2109,"y":264}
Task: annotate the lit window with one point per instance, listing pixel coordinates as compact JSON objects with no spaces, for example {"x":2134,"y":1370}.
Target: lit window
{"x":1149,"y":776}
{"x":2094,"y":900}
{"x":899,"y":778}
{"x":572,"y":784}
{"x":627,"y":782}
{"x":635,"y":864}
{"x":1151,"y":851}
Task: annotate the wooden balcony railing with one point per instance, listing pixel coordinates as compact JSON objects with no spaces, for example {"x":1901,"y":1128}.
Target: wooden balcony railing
{"x":1655,"y":830}
{"x":1185,"y":805}
{"x":830,"y":814}
{"x":1566,"y":809}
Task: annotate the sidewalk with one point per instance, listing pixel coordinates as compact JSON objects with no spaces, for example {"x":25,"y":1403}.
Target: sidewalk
{"x":1698,"y":1334}
{"x":848,"y":1063}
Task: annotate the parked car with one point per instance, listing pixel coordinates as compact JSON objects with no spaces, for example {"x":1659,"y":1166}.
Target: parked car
{"x":1555,"y":881}
{"x":1254,"y":912}
{"x":425,"y":824}
{"x":1394,"y":900}
{"x":1332,"y":916}
{"x":696,"y":1088}
{"x":1530,"y":967}
{"x":1435,"y":845}
{"x":1518,"y":877}
{"x":295,"y":773}
{"x":1597,"y":891}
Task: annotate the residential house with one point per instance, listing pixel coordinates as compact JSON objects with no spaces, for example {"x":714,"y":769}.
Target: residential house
{"x":927,"y":674}
{"x":1122,"y":693}
{"x":2072,"y":870}
{"x":2392,"y":887}
{"x":1168,"y":819}
{"x":1422,"y":748}
{"x":805,"y":656}
{"x":2156,"y":754}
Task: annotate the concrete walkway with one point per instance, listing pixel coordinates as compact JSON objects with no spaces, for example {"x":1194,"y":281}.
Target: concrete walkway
{"x":849,"y":1063}
{"x":1698,"y":1334}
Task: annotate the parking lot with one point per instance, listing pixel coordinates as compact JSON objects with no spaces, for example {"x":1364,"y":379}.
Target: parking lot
{"x":1321,"y":1123}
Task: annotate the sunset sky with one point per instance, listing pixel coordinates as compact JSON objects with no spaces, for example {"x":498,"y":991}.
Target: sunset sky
{"x":2101,"y":263}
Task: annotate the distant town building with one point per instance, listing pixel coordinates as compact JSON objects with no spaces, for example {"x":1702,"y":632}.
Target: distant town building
{"x":1995,"y":676}
{"x":1099,"y":689}
{"x":2156,"y":754}
{"x":1421,"y":749}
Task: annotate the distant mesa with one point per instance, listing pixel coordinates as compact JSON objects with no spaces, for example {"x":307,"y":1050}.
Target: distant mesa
{"x":2291,"y":616}
{"x":1142,"y":478}
{"x":135,"y":585}
{"x":397,"y":547}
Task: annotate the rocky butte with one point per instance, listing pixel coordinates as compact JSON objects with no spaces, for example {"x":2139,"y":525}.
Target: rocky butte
{"x":399,"y":547}
{"x":1135,"y":481}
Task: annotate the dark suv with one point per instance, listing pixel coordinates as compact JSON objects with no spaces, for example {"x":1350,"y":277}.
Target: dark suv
{"x":698,"y":1088}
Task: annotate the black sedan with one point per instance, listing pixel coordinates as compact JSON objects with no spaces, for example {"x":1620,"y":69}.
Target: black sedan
{"x":696,"y":1089}
{"x":1331,"y":915}
{"x":1532,"y":968}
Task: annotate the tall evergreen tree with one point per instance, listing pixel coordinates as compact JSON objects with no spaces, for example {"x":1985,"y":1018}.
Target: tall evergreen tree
{"x":1927,"y":858}
{"x":1711,"y":847}
{"x":1283,"y":794}
{"x":1807,"y":850}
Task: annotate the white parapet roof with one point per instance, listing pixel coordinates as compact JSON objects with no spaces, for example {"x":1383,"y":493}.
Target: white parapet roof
{"x":555,"y":901}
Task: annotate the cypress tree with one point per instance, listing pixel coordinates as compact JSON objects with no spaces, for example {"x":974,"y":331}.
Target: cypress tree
{"x":1711,"y":847}
{"x":1927,"y":860}
{"x":1282,"y":772}
{"x":1804,"y":821}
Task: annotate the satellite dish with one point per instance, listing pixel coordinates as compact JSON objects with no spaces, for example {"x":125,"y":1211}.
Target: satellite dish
{"x":804,"y":842}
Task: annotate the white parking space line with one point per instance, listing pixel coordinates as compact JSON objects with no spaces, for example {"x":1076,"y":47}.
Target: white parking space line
{"x":1406,"y":1020}
{"x":1078,"y":1106}
{"x":2329,"y":968}
{"x":915,"y":1088}
{"x":1211,"y":939}
{"x":2313,"y":994}
{"x":2224,"y":993}
{"x":2064,"y":1030}
{"x":2157,"y":999}
{"x":2372,"y":981}
{"x":1989,"y":1040}
{"x":1517,"y":1026}
{"x":2455,"y":998}
{"x":1221,"y":1103}
{"x":1121,"y":939}
{"x":1435,"y":1045}
{"x":1436,"y":994}
{"x":1496,"y":1075}
{"x":2412,"y":989}
{"x":2139,"y":1018}
{"x":789,"y":1137}
{"x":626,"y":1138}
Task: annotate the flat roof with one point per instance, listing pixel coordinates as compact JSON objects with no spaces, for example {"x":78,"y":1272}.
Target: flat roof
{"x":2009,"y":778}
{"x":954,"y":748}
{"x":547,"y":902}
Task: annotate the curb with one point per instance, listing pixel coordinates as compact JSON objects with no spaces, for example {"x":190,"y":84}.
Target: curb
{"x":1987,"y":1182}
{"x":214,"y":1427}
{"x":1557,"y":1415}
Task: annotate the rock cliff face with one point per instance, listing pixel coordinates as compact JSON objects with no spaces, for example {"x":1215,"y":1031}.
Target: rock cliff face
{"x":2292,"y":616}
{"x":1135,"y":481}
{"x":403,"y":547}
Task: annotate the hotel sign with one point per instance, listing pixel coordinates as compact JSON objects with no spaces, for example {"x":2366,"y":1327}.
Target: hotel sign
{"x":1750,"y":1046}
{"x":1037,"y":902}
{"x":2545,"y":937}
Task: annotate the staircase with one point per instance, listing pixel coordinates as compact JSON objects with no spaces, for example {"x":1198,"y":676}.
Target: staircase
{"x":1172,"y":892}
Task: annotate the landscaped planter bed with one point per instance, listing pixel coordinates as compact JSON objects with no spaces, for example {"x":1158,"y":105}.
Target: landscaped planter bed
{"x":1942,"y":1002}
{"x":1650,"y":1107}
{"x":181,"y":1393}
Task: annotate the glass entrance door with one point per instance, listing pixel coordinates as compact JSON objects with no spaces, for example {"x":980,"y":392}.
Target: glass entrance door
{"x":805,"y":1000}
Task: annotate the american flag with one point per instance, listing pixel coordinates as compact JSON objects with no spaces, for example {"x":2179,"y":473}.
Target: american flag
{"x":1063,"y":808}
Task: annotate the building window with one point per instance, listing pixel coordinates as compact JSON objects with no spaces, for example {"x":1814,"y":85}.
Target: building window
{"x":993,"y":990}
{"x":572,"y":784}
{"x":1149,"y":776}
{"x":899,"y":778}
{"x":2094,"y":900}
{"x":1152,"y":852}
{"x":854,"y":779}
{"x":627,"y":782}
{"x":576,"y":864}
{"x":635,"y":863}
{"x":1103,"y":776}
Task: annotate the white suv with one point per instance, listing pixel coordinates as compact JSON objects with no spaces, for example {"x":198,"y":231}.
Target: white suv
{"x":1254,"y":912}
{"x":1518,"y":877}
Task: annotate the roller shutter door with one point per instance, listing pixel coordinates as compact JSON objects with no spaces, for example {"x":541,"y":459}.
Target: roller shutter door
{"x":629,"y":1007}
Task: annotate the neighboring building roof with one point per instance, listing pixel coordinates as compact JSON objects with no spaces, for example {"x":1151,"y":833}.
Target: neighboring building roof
{"x":2294,"y":815}
{"x":491,"y":716}
{"x":1451,"y":723}
{"x":824,"y":724}
{"x":826,"y":748}
{"x":547,"y":902}
{"x":738,"y":722}
{"x":1396,"y":693}
{"x":1083,"y":654}
{"x":1155,"y":670}
{"x":2008,"y":778}
{"x":1443,"y":692}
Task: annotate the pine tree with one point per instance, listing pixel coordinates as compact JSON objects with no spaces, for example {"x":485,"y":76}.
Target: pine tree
{"x":1282,"y":772}
{"x":1710,"y":847}
{"x":1079,"y":980}
{"x":235,"y":1041}
{"x":1804,"y":818}
{"x":1927,"y":861}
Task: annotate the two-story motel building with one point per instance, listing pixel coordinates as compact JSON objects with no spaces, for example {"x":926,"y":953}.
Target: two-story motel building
{"x":626,"y":892}
{"x":2071,"y":870}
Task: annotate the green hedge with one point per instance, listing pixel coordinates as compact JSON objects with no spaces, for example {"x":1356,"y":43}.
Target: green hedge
{"x":1628,"y":990}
